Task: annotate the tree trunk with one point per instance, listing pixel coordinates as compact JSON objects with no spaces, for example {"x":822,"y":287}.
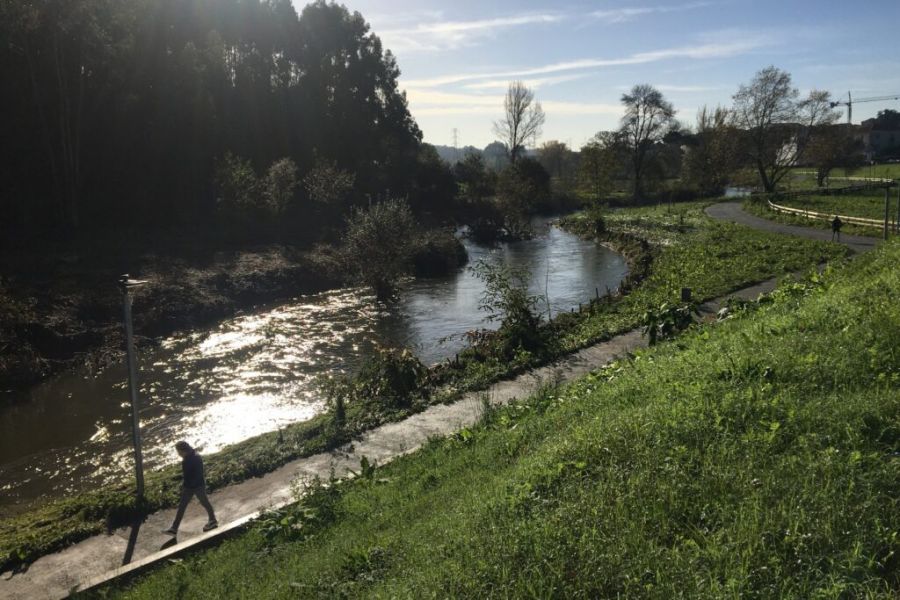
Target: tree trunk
{"x":768,"y":184}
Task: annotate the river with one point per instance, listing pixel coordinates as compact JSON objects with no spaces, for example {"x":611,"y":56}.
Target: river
{"x":256,"y":372}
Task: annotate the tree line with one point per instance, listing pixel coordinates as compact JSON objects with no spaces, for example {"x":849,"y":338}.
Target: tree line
{"x":768,"y":130}
{"x":163,"y":111}
{"x":246,"y":114}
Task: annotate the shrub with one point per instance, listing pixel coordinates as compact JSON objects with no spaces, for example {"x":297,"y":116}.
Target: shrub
{"x":668,"y":320}
{"x":242,"y":193}
{"x":438,"y":252}
{"x":392,"y":376}
{"x":378,"y":245}
{"x":280,"y":184}
{"x":236,"y":182}
{"x":506,"y":299}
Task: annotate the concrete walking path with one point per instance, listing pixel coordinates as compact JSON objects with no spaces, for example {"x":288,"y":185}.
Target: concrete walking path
{"x":130,"y":549}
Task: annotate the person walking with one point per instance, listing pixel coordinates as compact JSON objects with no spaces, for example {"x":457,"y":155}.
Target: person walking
{"x":194,"y":484}
{"x":836,"y":225}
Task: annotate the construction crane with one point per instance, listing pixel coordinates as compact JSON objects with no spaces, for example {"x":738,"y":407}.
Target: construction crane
{"x":850,"y":102}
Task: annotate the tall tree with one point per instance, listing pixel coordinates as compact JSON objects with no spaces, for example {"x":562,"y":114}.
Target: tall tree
{"x":128,"y":106}
{"x":599,"y":165}
{"x":648,"y":115}
{"x":559,"y":161}
{"x":712,"y":157}
{"x":777,"y":124}
{"x":523,"y":119}
{"x":831,"y":147}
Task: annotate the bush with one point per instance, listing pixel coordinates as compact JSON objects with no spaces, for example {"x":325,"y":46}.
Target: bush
{"x":243,"y":194}
{"x":438,"y":252}
{"x":237,"y":184}
{"x":378,"y":245}
{"x":668,"y":320}
{"x":521,"y":189}
{"x":280,"y":184}
{"x":506,"y":299}
{"x":392,"y":379}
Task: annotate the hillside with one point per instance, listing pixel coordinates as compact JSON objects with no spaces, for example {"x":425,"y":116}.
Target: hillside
{"x":756,"y":457}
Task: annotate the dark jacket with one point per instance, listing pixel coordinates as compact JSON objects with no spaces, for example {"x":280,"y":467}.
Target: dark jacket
{"x":192,"y":469}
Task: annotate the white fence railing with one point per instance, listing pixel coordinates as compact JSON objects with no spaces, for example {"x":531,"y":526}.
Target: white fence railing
{"x":811,"y":214}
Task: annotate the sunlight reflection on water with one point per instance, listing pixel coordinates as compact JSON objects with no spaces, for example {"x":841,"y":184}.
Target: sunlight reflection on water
{"x":255,"y":373}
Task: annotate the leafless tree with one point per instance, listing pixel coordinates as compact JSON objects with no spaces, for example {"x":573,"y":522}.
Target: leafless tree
{"x":777,"y":124}
{"x":522,"y":121}
{"x":648,"y":117}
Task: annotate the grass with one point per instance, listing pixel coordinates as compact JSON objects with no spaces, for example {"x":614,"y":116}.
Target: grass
{"x":761,"y":210}
{"x":756,"y":458}
{"x":869,"y":205}
{"x":692,"y":251}
{"x":885,"y":171}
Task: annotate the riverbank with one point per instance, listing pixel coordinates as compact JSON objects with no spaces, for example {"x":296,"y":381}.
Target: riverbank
{"x":755,"y":457}
{"x":60,"y":308}
{"x":693,"y":251}
{"x":63,"y":311}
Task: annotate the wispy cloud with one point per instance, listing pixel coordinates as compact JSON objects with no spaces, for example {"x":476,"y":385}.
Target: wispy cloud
{"x":449,"y":35}
{"x":738,"y":44}
{"x":623,"y":14}
{"x":503,"y":83}
{"x":676,"y":89}
{"x":437,"y":103}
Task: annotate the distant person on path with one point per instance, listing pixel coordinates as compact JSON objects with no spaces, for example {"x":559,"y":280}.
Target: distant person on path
{"x":836,"y":225}
{"x":194,"y":484}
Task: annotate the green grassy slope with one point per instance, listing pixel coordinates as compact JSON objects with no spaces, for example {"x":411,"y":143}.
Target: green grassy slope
{"x":755,"y":458}
{"x":694,"y":251}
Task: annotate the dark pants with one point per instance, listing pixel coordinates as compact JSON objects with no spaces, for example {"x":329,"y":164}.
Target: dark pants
{"x":186,"y":495}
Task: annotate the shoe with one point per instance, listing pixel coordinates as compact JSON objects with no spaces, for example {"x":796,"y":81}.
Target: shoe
{"x":170,"y":531}
{"x":210,"y":526}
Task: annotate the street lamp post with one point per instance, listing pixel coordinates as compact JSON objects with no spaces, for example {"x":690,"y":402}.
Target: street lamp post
{"x":125,"y":285}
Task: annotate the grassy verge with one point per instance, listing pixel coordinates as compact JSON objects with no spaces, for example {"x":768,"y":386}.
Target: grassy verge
{"x":691,"y":250}
{"x":869,"y":205}
{"x":760,"y":209}
{"x":755,"y":458}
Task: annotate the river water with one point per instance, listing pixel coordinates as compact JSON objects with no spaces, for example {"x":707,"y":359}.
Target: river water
{"x":256,"y":372}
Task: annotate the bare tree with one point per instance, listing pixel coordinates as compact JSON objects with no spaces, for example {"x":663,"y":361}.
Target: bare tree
{"x":778,"y":125}
{"x":522,"y":121}
{"x":648,"y":117}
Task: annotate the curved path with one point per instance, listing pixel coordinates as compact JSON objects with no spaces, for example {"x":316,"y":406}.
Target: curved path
{"x":129,"y":550}
{"x":732,"y":211}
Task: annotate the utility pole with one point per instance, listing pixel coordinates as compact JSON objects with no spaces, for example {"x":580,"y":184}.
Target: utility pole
{"x":125,"y":285}
{"x":456,"y":144}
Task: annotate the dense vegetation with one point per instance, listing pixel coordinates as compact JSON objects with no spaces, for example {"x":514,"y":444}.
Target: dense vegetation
{"x":129,"y":110}
{"x":691,"y":250}
{"x":687,"y":249}
{"x":753,"y":458}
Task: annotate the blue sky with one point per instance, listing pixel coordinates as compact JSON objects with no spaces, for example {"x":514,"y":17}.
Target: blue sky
{"x":457,"y":58}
